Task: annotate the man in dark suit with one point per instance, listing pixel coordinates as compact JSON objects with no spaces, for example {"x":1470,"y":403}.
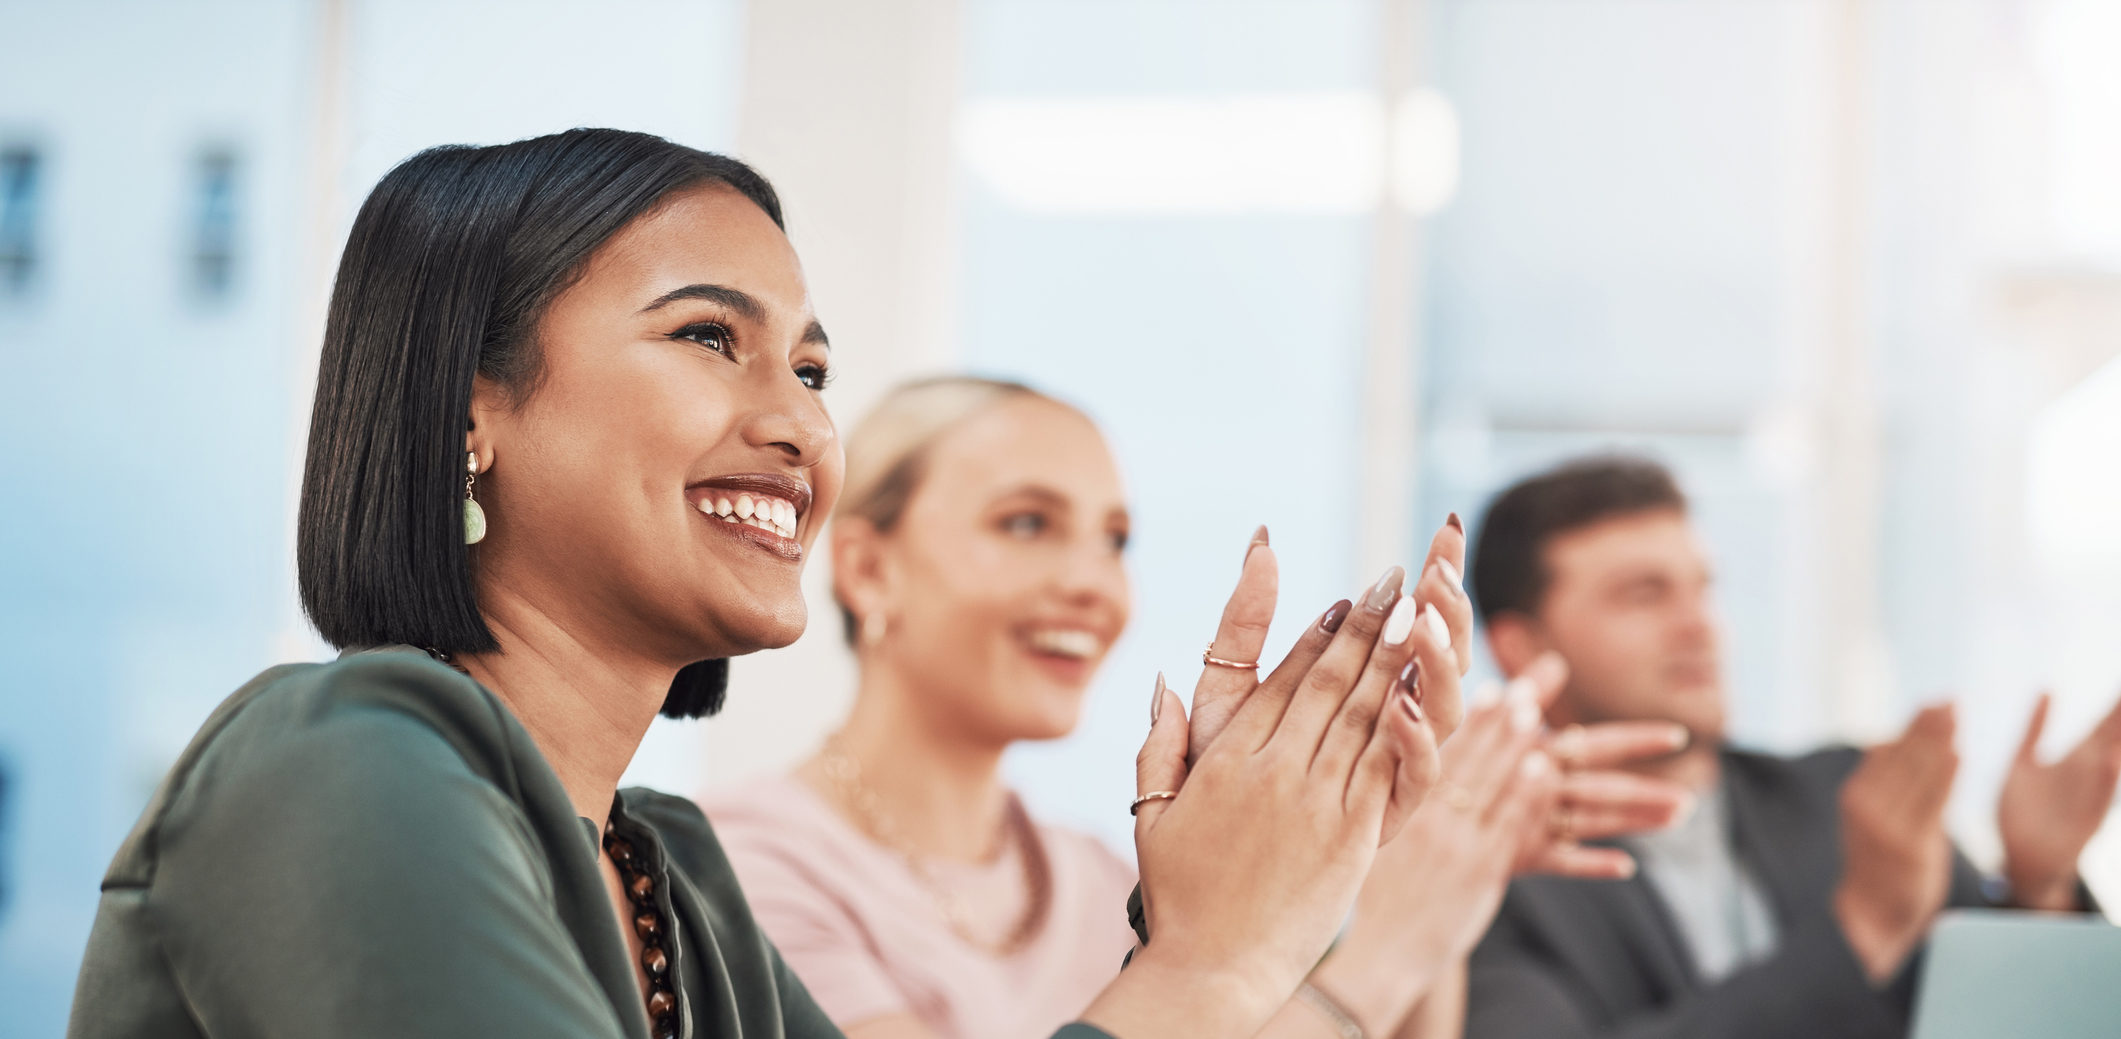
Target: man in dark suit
{"x":1793,"y":899}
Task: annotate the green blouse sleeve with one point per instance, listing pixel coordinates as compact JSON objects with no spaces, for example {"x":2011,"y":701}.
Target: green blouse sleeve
{"x":350,"y":876}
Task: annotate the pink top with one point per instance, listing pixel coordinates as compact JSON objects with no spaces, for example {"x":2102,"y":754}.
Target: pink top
{"x":868,"y":939}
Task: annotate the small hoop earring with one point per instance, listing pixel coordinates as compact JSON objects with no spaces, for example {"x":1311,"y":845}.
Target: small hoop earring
{"x":874,"y":628}
{"x":474,"y":516}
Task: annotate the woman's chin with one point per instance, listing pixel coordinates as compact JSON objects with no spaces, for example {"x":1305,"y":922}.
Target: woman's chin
{"x":763,"y":629}
{"x":1058,"y":711}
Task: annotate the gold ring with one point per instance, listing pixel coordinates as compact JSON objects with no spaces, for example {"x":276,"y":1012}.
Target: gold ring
{"x":1455,"y":797}
{"x":1207,"y":656}
{"x":1562,"y":826}
{"x":1153,"y":795}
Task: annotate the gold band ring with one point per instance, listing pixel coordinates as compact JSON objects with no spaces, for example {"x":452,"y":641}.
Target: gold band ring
{"x":1153,"y":795}
{"x":1207,"y":656}
{"x":1562,"y":826}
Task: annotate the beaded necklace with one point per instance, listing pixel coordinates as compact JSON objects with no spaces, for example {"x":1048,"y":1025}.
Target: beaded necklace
{"x":650,"y":927}
{"x":648,"y":923}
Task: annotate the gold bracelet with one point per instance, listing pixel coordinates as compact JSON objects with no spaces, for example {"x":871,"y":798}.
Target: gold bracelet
{"x":1342,"y":1021}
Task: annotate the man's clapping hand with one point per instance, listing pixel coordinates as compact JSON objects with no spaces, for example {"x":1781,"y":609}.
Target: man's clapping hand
{"x":1896,"y":858}
{"x":2049,"y":811}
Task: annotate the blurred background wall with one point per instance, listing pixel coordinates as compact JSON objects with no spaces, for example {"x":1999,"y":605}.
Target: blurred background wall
{"x":1339,"y":266}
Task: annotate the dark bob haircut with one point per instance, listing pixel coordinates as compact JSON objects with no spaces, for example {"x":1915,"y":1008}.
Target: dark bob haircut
{"x":1509,"y":571}
{"x":450,"y":265}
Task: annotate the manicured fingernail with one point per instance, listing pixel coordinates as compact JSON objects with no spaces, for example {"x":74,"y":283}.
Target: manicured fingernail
{"x":1413,"y":707}
{"x":1685,"y":810}
{"x":1680,"y":737}
{"x":1259,"y":537}
{"x":1335,"y":613}
{"x":1156,"y":706}
{"x":1410,"y":680}
{"x":1536,"y":765}
{"x":1380,"y":594}
{"x":1401,"y":623}
{"x":1627,"y":869}
{"x":1455,"y":523}
{"x":1451,"y":574}
{"x":1439,"y":632}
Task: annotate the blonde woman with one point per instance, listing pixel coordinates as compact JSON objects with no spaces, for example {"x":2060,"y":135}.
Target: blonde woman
{"x":979,"y":560}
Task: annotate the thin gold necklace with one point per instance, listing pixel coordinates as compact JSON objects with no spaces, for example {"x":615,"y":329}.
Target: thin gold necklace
{"x":845,"y":773}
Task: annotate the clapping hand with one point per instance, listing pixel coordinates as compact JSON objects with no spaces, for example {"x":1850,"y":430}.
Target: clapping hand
{"x":1442,"y":641}
{"x":1436,"y":886}
{"x":2049,"y":811}
{"x":1597,"y":798}
{"x":1252,"y":853}
{"x":1896,"y":858}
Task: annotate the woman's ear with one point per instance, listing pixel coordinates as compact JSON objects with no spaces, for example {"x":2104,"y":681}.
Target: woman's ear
{"x":861,"y":571}
{"x":489,"y":411}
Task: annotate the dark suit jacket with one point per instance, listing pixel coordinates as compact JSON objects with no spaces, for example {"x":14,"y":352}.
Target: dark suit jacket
{"x":1602,"y":958}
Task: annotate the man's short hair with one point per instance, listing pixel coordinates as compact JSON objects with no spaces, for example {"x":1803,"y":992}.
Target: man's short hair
{"x":1509,"y":568}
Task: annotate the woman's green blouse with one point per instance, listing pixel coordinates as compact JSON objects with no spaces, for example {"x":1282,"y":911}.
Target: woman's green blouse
{"x":375,"y":847}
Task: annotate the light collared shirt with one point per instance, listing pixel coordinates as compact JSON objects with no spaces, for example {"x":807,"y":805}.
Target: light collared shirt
{"x":1717,"y":903}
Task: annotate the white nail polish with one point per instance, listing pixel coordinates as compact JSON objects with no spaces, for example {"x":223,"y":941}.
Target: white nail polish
{"x":1438,"y":630}
{"x":1451,"y":574}
{"x":1401,"y":622}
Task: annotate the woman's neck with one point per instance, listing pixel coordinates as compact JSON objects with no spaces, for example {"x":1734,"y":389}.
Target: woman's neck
{"x":586,"y":710}
{"x":940,"y":790}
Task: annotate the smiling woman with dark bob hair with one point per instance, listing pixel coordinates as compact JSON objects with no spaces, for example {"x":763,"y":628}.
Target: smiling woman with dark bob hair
{"x":546,"y":367}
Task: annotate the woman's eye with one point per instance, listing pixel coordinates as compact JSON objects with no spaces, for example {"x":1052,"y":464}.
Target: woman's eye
{"x":815,"y":376}
{"x":1024,"y":524}
{"x":709,"y":334}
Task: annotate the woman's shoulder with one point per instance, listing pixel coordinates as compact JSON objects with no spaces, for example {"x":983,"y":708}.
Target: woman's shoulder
{"x":326,"y":732}
{"x":384,"y":697}
{"x":771,"y":814}
{"x":785,"y":840}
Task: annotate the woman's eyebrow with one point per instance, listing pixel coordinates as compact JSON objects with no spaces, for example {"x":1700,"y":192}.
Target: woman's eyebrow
{"x":745,"y":304}
{"x":1041,"y":492}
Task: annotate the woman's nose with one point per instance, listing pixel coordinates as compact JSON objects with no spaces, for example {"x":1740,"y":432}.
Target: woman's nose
{"x":1094,"y":571}
{"x":792,"y":419}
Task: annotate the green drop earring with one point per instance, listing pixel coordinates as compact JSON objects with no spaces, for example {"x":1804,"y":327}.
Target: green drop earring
{"x":474,"y":516}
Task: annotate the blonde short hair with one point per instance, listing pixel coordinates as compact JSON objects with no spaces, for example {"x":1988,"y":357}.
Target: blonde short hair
{"x":887,"y":454}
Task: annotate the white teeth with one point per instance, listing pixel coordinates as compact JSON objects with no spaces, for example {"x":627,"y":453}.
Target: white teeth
{"x":1067,"y":642}
{"x":773,"y":515}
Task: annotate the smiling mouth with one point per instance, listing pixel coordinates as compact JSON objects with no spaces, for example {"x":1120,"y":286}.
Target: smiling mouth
{"x":772,"y":515}
{"x":1071,"y":643}
{"x":765,"y":508}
